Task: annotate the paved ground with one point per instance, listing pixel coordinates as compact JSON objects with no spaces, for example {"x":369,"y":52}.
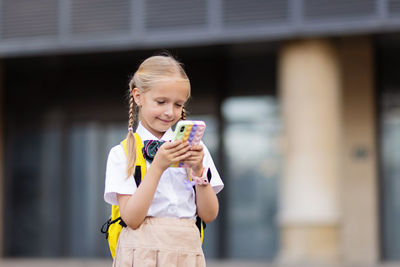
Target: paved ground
{"x":107,"y":263}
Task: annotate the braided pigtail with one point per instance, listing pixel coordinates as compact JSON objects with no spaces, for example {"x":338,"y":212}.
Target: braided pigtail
{"x":183,"y":116}
{"x":131,"y":143}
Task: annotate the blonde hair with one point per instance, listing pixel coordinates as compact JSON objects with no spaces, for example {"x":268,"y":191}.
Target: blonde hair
{"x":153,"y":70}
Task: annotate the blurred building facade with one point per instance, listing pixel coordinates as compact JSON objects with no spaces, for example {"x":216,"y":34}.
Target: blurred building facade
{"x":301,"y":100}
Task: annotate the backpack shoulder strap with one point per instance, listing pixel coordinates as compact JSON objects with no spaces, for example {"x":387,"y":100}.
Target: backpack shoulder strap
{"x":111,"y":228}
{"x":141,"y":166}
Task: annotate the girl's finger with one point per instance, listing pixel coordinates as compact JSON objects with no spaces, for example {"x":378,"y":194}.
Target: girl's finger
{"x":183,"y":148}
{"x":196,"y":148}
{"x":195,"y":155}
{"x":171,"y":145}
{"x":178,"y":145}
{"x":192,"y":159}
{"x":181,"y":158}
{"x":179,"y":150}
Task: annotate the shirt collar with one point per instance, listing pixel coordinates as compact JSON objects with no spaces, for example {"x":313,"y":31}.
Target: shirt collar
{"x":146,"y":135}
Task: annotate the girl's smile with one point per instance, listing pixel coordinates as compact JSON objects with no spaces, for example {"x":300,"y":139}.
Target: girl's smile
{"x":165,"y":121}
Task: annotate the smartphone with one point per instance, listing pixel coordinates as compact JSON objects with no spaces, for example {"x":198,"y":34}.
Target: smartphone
{"x":190,"y":131}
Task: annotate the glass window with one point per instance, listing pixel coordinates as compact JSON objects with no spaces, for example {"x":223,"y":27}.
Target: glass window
{"x":55,"y":197}
{"x":88,"y":147}
{"x":253,"y":159}
{"x":389,"y":127}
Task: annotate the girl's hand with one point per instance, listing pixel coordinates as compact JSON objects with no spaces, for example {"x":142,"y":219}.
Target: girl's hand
{"x":195,"y":159}
{"x":169,"y":153}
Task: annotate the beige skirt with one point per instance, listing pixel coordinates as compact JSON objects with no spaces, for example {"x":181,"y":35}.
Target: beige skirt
{"x":160,"y":242}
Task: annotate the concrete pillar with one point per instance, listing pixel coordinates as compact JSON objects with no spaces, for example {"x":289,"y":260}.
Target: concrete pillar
{"x":309,"y":83}
{"x":359,"y":234}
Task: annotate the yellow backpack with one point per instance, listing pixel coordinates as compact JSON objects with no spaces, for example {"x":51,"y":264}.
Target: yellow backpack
{"x":113,"y":226}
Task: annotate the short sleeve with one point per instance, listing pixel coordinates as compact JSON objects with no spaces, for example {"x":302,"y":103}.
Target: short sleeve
{"x":116,"y":178}
{"x":216,"y":181}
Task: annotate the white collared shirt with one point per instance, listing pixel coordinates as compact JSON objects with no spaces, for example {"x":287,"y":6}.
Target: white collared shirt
{"x":172,"y":198}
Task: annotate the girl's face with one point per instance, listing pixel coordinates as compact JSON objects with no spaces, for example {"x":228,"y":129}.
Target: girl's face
{"x":161,"y":106}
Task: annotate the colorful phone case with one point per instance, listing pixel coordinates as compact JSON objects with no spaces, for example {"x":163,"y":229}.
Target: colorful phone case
{"x":188,"y":130}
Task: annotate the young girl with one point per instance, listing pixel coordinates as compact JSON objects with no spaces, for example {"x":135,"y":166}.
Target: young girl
{"x":160,"y":213}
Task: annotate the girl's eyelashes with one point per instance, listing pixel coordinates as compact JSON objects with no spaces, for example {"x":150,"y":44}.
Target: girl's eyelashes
{"x":161,"y":102}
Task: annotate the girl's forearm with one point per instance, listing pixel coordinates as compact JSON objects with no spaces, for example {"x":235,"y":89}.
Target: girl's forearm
{"x":207,"y":203}
{"x":134,"y":208}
